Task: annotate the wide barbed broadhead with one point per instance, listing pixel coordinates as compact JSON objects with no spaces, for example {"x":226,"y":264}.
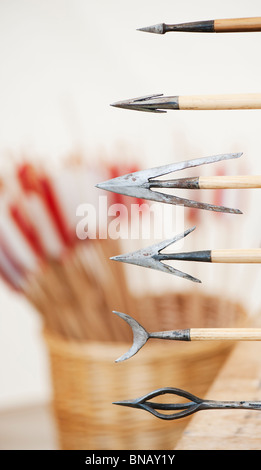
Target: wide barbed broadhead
{"x":148,"y":257}
{"x":139,"y":184}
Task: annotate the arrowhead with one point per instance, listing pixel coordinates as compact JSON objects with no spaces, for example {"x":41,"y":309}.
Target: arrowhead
{"x":156,"y":29}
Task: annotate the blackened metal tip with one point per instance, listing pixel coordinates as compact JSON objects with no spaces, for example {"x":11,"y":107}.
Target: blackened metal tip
{"x":125,"y":403}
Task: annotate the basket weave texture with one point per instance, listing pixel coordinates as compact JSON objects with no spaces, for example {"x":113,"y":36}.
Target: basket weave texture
{"x":86,"y":380}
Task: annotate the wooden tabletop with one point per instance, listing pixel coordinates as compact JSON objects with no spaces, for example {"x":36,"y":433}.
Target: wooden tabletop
{"x":28,"y":428}
{"x":239,"y":379}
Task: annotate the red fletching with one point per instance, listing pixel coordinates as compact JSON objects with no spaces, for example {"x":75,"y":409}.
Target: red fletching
{"x":27,"y":229}
{"x":41,"y":185}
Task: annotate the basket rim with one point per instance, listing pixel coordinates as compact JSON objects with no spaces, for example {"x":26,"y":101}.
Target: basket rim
{"x":107,"y":351}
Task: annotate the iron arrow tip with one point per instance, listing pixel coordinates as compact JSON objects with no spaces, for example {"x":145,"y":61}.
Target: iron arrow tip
{"x":125,"y":403}
{"x":129,"y":258}
{"x":117,"y":104}
{"x":117,"y":258}
{"x":125,"y":104}
{"x":105,"y":186}
{"x":156,"y":29}
{"x":120,"y":359}
{"x":111,"y":185}
{"x":140,"y":104}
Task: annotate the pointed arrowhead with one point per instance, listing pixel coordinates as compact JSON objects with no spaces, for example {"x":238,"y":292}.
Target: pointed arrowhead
{"x":100,"y":186}
{"x":139,"y":104}
{"x":126,"y":403}
{"x":106,"y":186}
{"x":118,"y":258}
{"x":119,"y":104}
{"x":156,"y":29}
{"x":148,"y":257}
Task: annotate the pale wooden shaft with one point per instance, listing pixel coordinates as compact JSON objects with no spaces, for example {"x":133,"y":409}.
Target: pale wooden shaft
{"x":233,"y":334}
{"x":236,"y":256}
{"x":237,"y":101}
{"x":238,"y":24}
{"x":234,"y":182}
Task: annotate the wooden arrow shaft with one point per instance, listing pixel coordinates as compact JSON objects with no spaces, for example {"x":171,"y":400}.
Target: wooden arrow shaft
{"x":210,"y":182}
{"x":233,"y":334}
{"x":236,"y":256}
{"x":210,"y":334}
{"x":229,"y":182}
{"x":219,"y":102}
{"x":237,"y":25}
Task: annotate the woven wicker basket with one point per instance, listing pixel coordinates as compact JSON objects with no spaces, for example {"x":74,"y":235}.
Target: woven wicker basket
{"x":86,"y":379}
